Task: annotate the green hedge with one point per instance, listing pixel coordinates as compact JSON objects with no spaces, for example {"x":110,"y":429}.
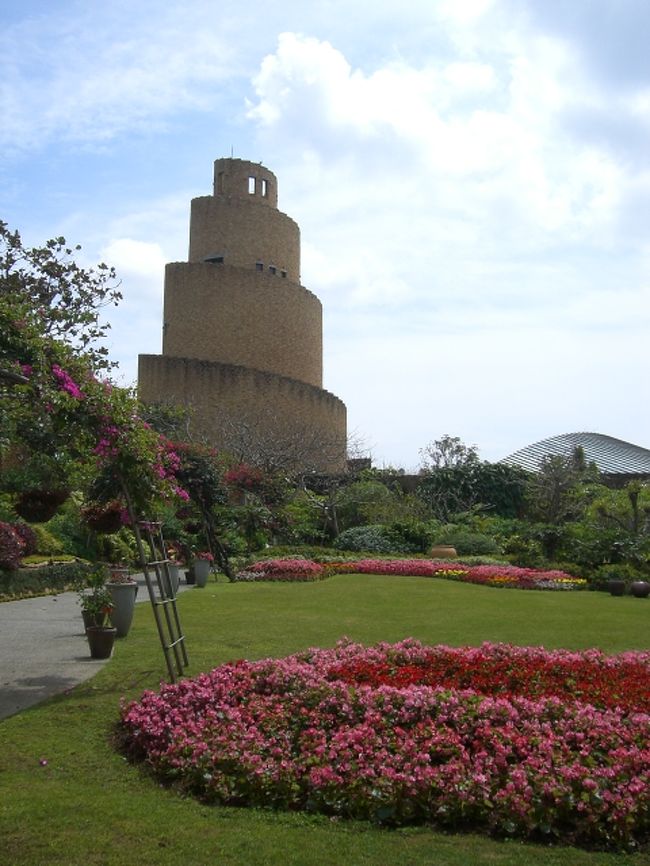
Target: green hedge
{"x":42,"y":579}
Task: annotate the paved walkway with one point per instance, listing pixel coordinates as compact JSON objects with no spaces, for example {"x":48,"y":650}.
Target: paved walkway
{"x":43,"y":648}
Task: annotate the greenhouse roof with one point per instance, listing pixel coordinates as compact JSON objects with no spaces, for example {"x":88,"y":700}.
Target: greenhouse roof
{"x":611,"y":456}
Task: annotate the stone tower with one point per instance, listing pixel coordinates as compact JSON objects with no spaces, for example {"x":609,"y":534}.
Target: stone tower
{"x":242,"y":339}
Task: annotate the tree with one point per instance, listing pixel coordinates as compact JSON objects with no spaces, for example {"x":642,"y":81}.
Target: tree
{"x":66,"y":297}
{"x":61,"y":424}
{"x":623,"y":517}
{"x":554,"y":491}
{"x":455,"y":481}
{"x":447,"y":453}
{"x":266,"y":441}
{"x":200,"y":471}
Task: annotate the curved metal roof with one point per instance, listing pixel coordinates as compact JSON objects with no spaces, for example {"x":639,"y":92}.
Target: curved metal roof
{"x":611,"y":456}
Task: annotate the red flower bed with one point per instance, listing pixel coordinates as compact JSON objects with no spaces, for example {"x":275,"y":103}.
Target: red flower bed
{"x":322,"y":730}
{"x":611,"y":682}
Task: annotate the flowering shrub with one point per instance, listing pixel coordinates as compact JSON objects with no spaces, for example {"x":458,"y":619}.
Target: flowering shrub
{"x":28,"y":537}
{"x":243,"y":477}
{"x":12,"y":547}
{"x":293,"y":734}
{"x":283,"y":570}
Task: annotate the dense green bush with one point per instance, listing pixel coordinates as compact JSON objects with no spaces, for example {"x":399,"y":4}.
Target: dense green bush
{"x":466,"y":542}
{"x":46,"y":542}
{"x":118,"y":546}
{"x":618,"y":571}
{"x":373,"y":539}
{"x":69,"y":529}
{"x":411,"y":536}
{"x":42,"y":579}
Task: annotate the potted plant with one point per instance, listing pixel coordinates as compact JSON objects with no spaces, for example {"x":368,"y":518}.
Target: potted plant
{"x":201,"y":567}
{"x":123,"y":590}
{"x":104,"y":516}
{"x":96,"y":609}
{"x":39,"y":482}
{"x":174,"y":569}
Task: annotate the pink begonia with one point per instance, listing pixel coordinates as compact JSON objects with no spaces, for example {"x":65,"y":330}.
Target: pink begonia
{"x":282,"y":733}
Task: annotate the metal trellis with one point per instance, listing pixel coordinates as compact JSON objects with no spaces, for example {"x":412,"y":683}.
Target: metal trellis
{"x":162,"y":594}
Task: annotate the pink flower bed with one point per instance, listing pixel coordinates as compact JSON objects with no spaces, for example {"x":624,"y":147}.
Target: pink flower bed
{"x":283,"y":570}
{"x":311,"y":732}
{"x":509,"y":576}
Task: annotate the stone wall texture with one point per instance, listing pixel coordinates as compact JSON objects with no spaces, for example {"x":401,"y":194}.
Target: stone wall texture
{"x":222,"y":313}
{"x":242,"y":338}
{"x":215,"y":391}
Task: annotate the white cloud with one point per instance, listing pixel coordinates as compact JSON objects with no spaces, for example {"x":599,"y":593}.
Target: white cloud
{"x":136,"y":258}
{"x":110,"y":74}
{"x":470,"y":178}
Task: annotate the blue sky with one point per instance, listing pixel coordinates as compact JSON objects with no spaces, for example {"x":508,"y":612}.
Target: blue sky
{"x":471,"y":179}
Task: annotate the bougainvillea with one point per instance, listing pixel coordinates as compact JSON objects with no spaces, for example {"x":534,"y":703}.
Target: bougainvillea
{"x":508,"y":576}
{"x":322,"y":730}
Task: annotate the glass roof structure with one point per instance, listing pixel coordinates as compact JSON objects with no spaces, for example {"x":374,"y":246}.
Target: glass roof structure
{"x":611,"y":456}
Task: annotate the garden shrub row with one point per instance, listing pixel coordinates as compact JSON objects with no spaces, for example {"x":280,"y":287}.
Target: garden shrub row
{"x":42,"y":579}
{"x":313,"y":731}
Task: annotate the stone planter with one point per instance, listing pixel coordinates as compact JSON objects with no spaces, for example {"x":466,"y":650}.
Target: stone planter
{"x":201,"y":571}
{"x":123,"y":595}
{"x":190,"y":578}
{"x":640,"y":588}
{"x":175,"y":576}
{"x":616,"y":587}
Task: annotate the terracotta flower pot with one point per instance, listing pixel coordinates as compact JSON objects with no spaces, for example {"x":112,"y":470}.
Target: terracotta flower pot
{"x":443,"y":551}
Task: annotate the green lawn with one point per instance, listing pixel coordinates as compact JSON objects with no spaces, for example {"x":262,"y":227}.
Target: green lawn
{"x":88,"y":806}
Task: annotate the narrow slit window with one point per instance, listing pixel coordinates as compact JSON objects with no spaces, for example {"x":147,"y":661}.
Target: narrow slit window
{"x":251,"y":186}
{"x":220,"y":183}
{"x":265,"y":187}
